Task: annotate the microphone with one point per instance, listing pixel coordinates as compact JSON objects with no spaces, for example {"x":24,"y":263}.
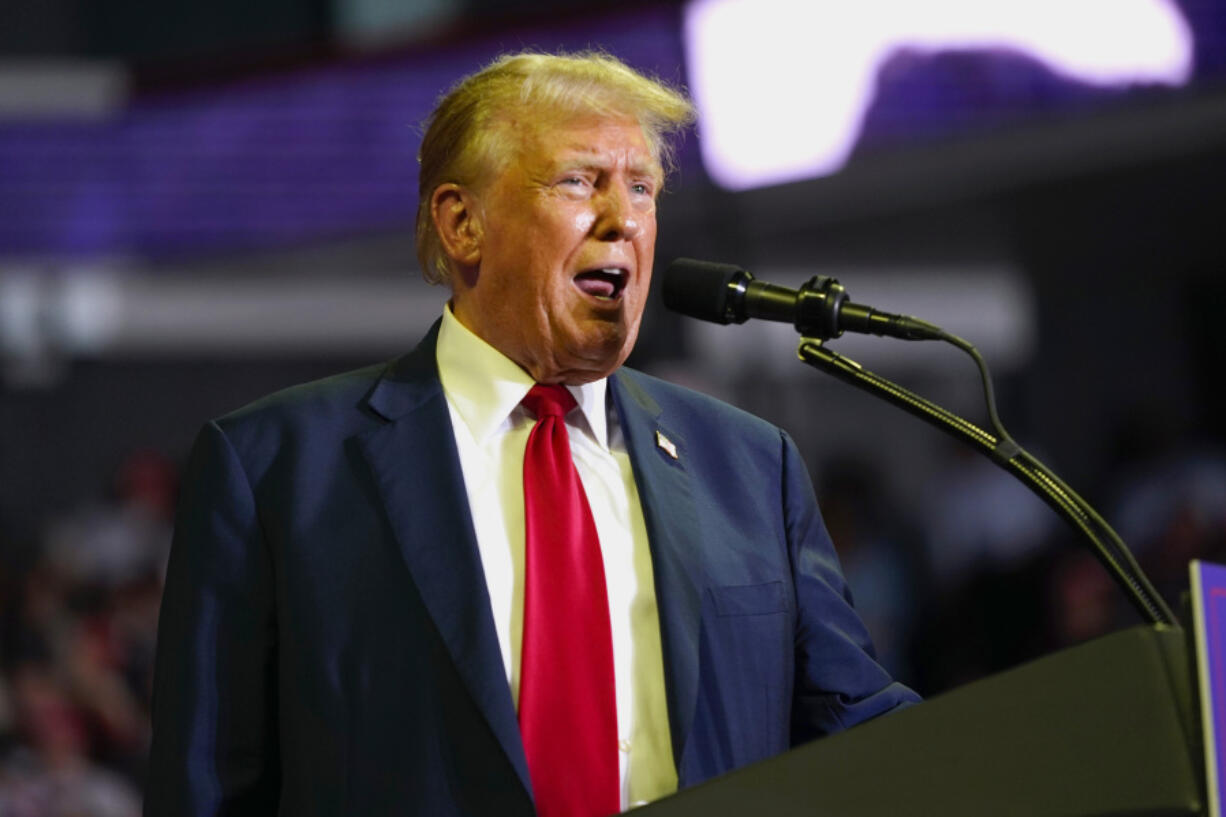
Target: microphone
{"x":723,"y":293}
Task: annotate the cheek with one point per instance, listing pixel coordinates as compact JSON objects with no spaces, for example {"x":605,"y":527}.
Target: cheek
{"x":647,"y":237}
{"x":579,"y":222}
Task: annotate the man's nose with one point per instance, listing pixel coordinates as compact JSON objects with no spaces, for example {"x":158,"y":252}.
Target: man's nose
{"x":617,"y":220}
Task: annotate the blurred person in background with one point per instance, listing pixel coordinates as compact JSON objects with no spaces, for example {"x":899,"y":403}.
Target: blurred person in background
{"x":371,"y":607}
{"x":124,"y":539}
{"x":52,"y":774}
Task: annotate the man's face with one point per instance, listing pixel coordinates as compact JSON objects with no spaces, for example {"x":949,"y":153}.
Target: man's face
{"x":566,"y":236}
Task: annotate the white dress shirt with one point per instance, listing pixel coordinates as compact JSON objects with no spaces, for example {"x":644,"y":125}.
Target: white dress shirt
{"x":483,"y":389}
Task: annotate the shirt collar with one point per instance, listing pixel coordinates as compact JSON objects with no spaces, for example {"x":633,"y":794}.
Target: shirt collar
{"x":485,"y":386}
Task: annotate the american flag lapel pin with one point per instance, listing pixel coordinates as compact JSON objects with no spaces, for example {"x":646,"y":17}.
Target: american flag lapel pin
{"x":666,"y":444}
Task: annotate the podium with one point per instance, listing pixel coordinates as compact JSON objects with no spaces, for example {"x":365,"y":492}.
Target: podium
{"x":1106,"y":728}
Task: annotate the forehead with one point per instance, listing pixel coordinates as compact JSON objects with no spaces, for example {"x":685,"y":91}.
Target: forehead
{"x":590,"y":139}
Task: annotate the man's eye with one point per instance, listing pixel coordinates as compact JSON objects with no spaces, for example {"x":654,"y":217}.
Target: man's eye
{"x":641,"y":189}
{"x":574,"y":180}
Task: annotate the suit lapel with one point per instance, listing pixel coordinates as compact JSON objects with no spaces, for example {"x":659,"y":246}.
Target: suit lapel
{"x":668,"y":509}
{"x":415,"y":463}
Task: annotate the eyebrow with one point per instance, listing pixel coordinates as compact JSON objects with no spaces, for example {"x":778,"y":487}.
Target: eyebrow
{"x":587,"y":159}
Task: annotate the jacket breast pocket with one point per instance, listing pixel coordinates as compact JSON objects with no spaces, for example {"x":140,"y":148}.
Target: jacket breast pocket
{"x":746,"y":672}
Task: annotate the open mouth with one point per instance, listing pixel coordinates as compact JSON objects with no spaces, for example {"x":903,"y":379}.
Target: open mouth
{"x":605,"y":284}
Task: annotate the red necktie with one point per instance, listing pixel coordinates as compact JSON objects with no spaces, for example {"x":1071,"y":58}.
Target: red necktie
{"x":567,"y":703}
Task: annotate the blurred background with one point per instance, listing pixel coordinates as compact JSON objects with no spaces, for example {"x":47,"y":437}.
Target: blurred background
{"x":201,"y":202}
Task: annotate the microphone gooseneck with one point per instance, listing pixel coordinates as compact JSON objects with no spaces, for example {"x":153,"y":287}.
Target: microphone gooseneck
{"x":819,"y":310}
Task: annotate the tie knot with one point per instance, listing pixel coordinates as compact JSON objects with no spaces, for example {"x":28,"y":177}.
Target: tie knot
{"x":549,"y":401}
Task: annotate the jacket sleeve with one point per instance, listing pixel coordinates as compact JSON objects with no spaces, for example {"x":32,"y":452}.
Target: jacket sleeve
{"x":838,"y":680}
{"x":214,"y":747}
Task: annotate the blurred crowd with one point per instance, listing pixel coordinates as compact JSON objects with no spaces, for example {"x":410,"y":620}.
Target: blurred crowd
{"x":78,"y":621}
{"x":983,"y":578}
{"x":986,"y":576}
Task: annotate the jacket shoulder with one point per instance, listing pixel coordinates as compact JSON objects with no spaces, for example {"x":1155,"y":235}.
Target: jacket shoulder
{"x":303,"y":416}
{"x":344,"y":391}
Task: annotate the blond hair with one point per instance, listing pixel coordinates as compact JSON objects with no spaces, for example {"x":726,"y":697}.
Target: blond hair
{"x":467,"y":138}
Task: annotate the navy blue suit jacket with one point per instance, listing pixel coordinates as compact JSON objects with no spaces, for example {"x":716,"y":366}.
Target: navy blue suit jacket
{"x":326,"y":643}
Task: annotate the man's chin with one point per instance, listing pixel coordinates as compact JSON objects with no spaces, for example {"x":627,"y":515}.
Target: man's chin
{"x":594,"y":356}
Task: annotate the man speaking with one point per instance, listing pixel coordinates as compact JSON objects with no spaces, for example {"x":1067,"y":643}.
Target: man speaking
{"x":501,"y":575}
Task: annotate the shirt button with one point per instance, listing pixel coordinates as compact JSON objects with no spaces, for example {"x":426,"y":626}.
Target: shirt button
{"x":623,"y":746}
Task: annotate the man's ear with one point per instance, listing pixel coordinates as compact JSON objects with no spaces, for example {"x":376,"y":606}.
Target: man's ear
{"x":458,"y":223}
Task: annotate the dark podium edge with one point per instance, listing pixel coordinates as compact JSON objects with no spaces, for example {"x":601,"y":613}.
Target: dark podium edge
{"x":1109,"y":727}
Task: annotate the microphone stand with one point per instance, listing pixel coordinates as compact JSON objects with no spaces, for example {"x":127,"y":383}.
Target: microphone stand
{"x":1006,"y":453}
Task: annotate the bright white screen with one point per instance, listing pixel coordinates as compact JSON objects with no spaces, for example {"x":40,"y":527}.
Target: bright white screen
{"x":782,"y":86}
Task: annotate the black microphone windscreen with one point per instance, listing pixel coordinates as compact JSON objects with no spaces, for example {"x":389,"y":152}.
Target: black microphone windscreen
{"x":699,"y":289}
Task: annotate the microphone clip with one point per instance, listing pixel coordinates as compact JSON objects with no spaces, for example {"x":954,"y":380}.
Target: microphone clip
{"x":817,"y":308}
